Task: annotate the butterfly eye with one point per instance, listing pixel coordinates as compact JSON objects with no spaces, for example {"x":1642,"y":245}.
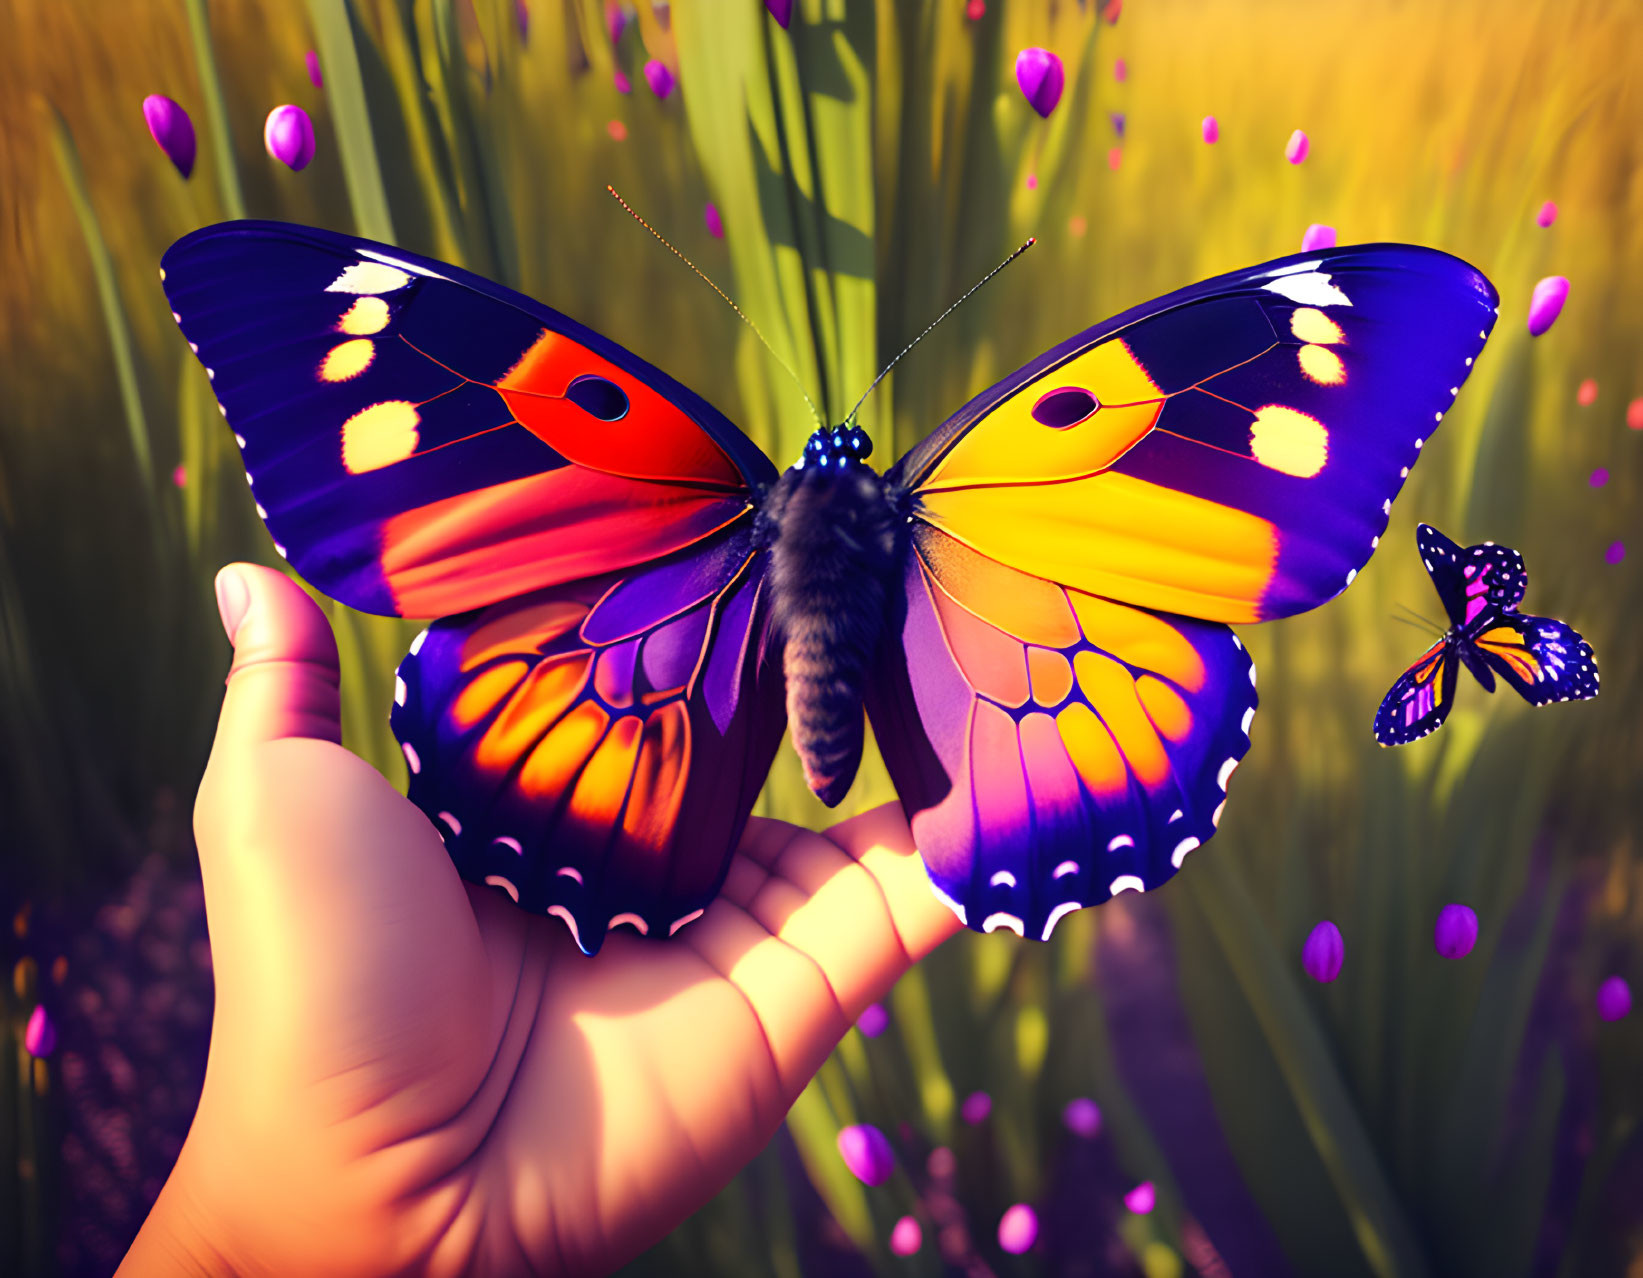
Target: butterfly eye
{"x":598,"y":396}
{"x":1065,"y":407}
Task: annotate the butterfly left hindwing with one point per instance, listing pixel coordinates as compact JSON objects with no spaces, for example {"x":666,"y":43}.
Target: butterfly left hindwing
{"x":594,"y":749}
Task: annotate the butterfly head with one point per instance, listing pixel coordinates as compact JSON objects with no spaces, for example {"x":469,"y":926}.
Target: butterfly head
{"x":836,"y":446}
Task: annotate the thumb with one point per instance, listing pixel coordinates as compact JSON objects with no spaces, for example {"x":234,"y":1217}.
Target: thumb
{"x":284,"y":681}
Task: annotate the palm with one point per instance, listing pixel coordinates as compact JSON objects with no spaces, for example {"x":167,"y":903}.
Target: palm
{"x":410,"y":1074}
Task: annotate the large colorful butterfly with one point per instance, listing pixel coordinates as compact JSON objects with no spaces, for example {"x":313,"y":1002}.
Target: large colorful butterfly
{"x":1542,"y":658}
{"x":1032,"y":605}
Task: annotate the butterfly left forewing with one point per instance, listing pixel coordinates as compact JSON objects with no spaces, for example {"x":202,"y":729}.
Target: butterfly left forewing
{"x":595,"y":749}
{"x":1052,"y":748}
{"x":1420,"y":700}
{"x":421,"y":441}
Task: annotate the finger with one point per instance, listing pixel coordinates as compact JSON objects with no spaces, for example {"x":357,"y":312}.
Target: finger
{"x":846,"y":913}
{"x":284,"y":680}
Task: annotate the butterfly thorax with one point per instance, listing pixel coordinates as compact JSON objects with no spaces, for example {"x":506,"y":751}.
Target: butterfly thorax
{"x":832,"y":526}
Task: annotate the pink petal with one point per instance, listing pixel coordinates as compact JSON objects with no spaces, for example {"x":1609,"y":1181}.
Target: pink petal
{"x":1324,"y":952}
{"x":1547,"y":214}
{"x":906,"y":1238}
{"x":288,"y":134}
{"x":659,"y":78}
{"x":1614,"y":999}
{"x":171,"y":129}
{"x":1298,"y":146}
{"x":1018,"y":1229}
{"x":1586,"y":395}
{"x":1041,"y":78}
{"x":1546,"y":304}
{"x":1211,"y":130}
{"x":315,"y":77}
{"x":1142,"y":1199}
{"x":1318,"y":236}
{"x":40,"y":1035}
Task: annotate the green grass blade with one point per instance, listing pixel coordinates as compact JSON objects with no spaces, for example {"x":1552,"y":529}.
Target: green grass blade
{"x":334,"y":32}
{"x":216,"y":111}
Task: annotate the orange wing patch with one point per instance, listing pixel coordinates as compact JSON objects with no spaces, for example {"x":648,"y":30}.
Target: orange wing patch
{"x":636,"y":431}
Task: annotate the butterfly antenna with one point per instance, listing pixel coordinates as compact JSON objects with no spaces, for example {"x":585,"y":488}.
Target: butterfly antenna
{"x":1413,"y":618}
{"x":850,"y":416}
{"x":815,"y":412}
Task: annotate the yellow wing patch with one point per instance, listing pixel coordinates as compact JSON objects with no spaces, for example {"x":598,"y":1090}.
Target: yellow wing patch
{"x":1122,"y":538}
{"x":1114,"y":403}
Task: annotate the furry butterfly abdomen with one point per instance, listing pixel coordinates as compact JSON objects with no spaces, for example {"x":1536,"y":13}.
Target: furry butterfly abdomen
{"x":836,"y":534}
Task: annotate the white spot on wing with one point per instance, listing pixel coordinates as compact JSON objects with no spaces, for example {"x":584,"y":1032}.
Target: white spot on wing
{"x":368,"y":277}
{"x":1225,"y":774}
{"x":995,"y":921}
{"x":1312,"y":289}
{"x":1004,"y":877}
{"x":1056,"y":915}
{"x":1181,"y":850}
{"x":399,"y":691}
{"x":682,"y":921}
{"x":1120,"y":841}
{"x":560,"y":912}
{"x":1127,"y":883}
{"x":1064,"y":869}
{"x":404,"y":266}
{"x":496,"y":880}
{"x":639,"y":924}
{"x":569,"y":872}
{"x":954,"y":906}
{"x":450,"y":820}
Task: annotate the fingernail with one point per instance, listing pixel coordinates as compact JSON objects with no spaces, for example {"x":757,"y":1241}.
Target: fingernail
{"x":233,"y":598}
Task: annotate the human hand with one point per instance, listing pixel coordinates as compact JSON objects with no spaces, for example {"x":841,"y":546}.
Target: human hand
{"x":410,"y":1075}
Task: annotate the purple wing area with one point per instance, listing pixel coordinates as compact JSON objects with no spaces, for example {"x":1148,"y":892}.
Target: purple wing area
{"x":1291,"y":400}
{"x":421,"y":441}
{"x":1470,"y":580}
{"x":1420,"y":700}
{"x":1052,"y":749}
{"x":593,"y":757}
{"x":1544,"y":659}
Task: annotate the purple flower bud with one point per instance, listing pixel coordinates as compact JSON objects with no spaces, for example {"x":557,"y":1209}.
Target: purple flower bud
{"x":1600,"y":476}
{"x":866,"y":1152}
{"x":1082,"y":1117}
{"x":617,"y":18}
{"x":315,"y":76}
{"x":1324,"y":952}
{"x":1547,"y":214}
{"x":1298,"y":146}
{"x":1118,"y":123}
{"x":1546,"y":304}
{"x":623,"y":84}
{"x":875,"y":1019}
{"x":40,"y":1035}
{"x":1614,"y":1000}
{"x":1613,"y":555}
{"x":659,"y":78}
{"x":976,"y":1107}
{"x":1018,"y":1230}
{"x":289,"y":136}
{"x":782,"y":11}
{"x":1041,"y":77}
{"x":1211,"y":130}
{"x":522,"y":20}
{"x":906,"y":1238}
{"x":1142,"y":1199}
{"x":1456,"y":932}
{"x":171,"y":129}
